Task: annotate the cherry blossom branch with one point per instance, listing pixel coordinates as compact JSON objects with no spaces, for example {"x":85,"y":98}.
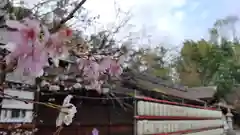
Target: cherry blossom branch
{"x":70,"y":16}
{"x":31,"y":60}
{"x":59,"y":129}
{"x":91,"y":98}
{"x":41,"y":4}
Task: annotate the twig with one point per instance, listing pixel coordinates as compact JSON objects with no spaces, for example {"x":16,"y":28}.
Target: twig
{"x":70,"y":16}
{"x":86,"y":97}
{"x":41,"y":4}
{"x":59,"y":129}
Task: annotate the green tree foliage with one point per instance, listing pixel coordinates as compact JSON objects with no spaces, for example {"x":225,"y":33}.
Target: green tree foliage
{"x":152,"y":61}
{"x":190,"y":66}
{"x":213,"y":62}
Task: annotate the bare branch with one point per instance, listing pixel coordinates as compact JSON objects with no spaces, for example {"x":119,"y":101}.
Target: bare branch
{"x":70,"y":16}
{"x":41,"y":4}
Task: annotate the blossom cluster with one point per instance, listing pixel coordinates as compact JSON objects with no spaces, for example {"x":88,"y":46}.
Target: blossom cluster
{"x":32,"y":45}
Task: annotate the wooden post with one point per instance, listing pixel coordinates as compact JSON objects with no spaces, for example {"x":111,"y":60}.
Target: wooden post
{"x":36,"y":98}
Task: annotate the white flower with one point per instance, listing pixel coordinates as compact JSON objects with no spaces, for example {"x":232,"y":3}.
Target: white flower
{"x":54,"y":88}
{"x":67,"y":112}
{"x":77,"y":85}
{"x":105,"y":90}
{"x":44,"y":83}
{"x":95,"y":131}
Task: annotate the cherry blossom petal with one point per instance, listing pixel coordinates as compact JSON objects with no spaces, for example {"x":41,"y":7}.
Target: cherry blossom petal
{"x":105,"y":64}
{"x":70,"y":114}
{"x":95,"y":131}
{"x":10,"y":46}
{"x":67,"y":112}
{"x":67,"y":99}
{"x":115,"y":69}
{"x":32,"y":23}
{"x":31,"y":53}
{"x":16,"y":37}
{"x":15,"y":24}
{"x":59,"y":120}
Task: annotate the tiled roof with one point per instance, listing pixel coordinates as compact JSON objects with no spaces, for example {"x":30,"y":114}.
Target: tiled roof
{"x":233,"y":96}
{"x":152,"y":83}
{"x":202,"y":92}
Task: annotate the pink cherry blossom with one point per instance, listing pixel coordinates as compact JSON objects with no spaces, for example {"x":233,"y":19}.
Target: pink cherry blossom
{"x":95,"y":131}
{"x":105,"y":64}
{"x":112,"y":66}
{"x":115,"y":69}
{"x":55,"y":45}
{"x":92,"y":69}
{"x":29,"y":51}
{"x":32,"y":54}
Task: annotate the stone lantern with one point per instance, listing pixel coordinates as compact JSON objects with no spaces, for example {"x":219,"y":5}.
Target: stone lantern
{"x":229,"y":116}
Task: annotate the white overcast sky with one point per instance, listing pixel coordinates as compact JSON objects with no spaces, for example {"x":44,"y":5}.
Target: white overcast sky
{"x":167,"y":20}
{"x":153,"y":17}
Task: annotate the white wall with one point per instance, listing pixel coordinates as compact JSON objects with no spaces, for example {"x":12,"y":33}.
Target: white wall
{"x":6,"y":117}
{"x":159,"y":109}
{"x":9,"y":104}
{"x":20,"y":93}
{"x":13,"y":104}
